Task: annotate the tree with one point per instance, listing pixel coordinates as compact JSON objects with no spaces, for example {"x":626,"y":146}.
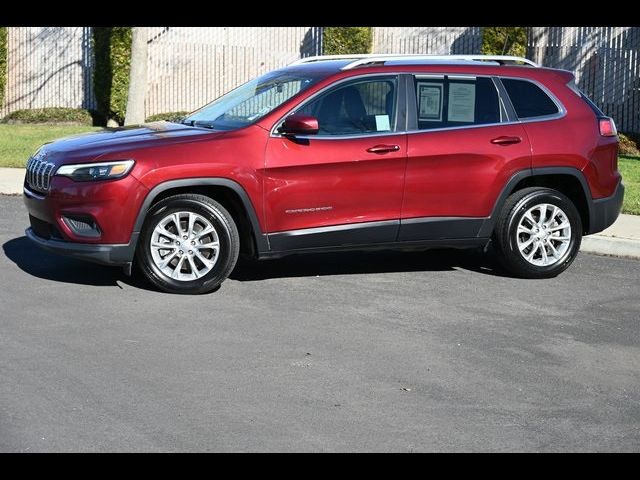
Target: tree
{"x":137,"y":77}
{"x":504,"y":41}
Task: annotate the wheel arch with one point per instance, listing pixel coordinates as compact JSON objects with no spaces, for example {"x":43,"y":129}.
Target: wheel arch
{"x":227,"y":192}
{"x":567,"y":180}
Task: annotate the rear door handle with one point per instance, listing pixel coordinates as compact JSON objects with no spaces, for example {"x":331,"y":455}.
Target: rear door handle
{"x":506,"y":140}
{"x":383,"y":148}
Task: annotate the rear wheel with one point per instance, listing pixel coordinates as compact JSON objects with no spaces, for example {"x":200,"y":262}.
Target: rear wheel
{"x":538,"y":233}
{"x":189,"y":244}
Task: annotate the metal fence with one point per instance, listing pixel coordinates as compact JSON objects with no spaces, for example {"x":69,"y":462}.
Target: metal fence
{"x":605,"y":60}
{"x":427,"y":40}
{"x":189,"y":66}
{"x":48,"y":67}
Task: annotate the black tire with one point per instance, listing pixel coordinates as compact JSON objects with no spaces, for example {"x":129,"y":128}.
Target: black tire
{"x":505,"y":235}
{"x":226,"y":230}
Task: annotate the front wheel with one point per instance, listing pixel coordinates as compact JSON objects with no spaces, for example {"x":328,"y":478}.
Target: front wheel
{"x":538,"y":233}
{"x":189,"y":244}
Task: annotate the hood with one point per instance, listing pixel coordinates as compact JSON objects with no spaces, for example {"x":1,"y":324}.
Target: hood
{"x":124,"y":138}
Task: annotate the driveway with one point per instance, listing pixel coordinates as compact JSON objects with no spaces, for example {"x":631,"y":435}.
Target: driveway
{"x":381,"y":351}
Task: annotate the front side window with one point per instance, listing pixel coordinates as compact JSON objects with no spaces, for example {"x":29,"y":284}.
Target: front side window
{"x":528,"y":99}
{"x":446,"y":102}
{"x":251,"y":101}
{"x":360,"y":107}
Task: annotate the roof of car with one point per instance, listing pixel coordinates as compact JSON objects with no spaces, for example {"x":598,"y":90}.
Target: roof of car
{"x":489,"y":64}
{"x":325,"y":66}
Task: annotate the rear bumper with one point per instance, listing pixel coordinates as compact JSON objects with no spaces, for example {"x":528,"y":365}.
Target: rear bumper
{"x":118,"y":254}
{"x":605,"y":211}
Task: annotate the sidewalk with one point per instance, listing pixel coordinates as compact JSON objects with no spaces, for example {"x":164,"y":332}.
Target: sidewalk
{"x":11,"y":180}
{"x":622,"y":239}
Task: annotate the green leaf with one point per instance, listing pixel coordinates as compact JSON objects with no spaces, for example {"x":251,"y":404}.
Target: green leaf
{"x":504,"y":41}
{"x":347,"y":40}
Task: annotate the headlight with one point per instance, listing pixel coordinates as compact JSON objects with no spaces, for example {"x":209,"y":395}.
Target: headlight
{"x":84,"y":172}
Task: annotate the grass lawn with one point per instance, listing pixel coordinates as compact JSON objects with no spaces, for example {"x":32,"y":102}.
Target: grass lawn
{"x":630,"y":169}
{"x":18,"y":142}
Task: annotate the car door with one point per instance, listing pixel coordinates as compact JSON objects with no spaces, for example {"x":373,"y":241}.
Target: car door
{"x":343,"y":185}
{"x":462,"y":149}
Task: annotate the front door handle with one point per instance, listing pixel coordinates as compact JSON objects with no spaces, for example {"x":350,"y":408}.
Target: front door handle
{"x":506,"y":140}
{"x":383,"y":148}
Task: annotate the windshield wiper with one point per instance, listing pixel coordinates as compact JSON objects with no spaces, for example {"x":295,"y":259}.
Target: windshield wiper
{"x":203,"y":123}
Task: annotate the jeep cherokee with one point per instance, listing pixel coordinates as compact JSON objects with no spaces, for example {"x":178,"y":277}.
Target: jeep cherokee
{"x":335,"y":153}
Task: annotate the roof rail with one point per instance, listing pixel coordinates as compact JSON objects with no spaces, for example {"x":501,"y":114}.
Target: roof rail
{"x":364,"y":59}
{"x":320,"y":58}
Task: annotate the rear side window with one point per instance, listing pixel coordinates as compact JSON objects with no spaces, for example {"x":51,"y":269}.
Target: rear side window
{"x":454,"y":102}
{"x":528,"y":99}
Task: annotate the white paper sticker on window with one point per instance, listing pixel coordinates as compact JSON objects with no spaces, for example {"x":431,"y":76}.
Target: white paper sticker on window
{"x":462,"y":102}
{"x":430,"y":101}
{"x":382,"y":123}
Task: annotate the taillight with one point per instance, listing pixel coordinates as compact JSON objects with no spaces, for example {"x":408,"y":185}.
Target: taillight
{"x":607,"y":127}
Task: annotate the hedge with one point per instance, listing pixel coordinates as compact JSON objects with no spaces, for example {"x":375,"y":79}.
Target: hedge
{"x":629,"y":144}
{"x":50,"y":115}
{"x":346,"y":40}
{"x":112,"y":47}
{"x":168,"y":116}
{"x":3,"y":62}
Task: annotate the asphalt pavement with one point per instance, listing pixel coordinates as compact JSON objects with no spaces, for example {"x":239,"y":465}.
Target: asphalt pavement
{"x":380,"y":351}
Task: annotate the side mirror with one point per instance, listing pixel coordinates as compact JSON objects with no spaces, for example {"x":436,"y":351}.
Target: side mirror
{"x":299,"y":125}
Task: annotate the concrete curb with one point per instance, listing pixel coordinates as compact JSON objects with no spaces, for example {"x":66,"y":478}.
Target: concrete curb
{"x":622,"y":239}
{"x":612,"y":246}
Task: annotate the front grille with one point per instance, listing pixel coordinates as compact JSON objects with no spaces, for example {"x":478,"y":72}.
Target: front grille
{"x":39,"y":174}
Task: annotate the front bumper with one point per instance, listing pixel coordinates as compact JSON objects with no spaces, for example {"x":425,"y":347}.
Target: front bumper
{"x":117,"y":254}
{"x":605,"y":211}
{"x":111,"y":206}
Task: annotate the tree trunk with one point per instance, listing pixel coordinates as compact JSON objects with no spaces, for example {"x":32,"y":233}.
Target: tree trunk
{"x":137,"y":77}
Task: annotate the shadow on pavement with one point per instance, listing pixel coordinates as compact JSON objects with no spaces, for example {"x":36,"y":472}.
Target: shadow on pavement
{"x":383,"y":261}
{"x":42,"y":264}
{"x":39,"y":263}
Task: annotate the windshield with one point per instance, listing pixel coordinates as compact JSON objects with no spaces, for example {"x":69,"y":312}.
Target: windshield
{"x":251,"y":101}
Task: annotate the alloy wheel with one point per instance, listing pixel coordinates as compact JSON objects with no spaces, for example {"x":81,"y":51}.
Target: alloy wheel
{"x":184,"y":246}
{"x":544,"y":235}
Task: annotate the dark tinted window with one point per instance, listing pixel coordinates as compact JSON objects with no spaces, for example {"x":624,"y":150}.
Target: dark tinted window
{"x":366,"y":106}
{"x":444,"y":103}
{"x":528,"y":99}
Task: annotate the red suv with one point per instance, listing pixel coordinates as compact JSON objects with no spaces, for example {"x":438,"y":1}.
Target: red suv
{"x":334,"y":154}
